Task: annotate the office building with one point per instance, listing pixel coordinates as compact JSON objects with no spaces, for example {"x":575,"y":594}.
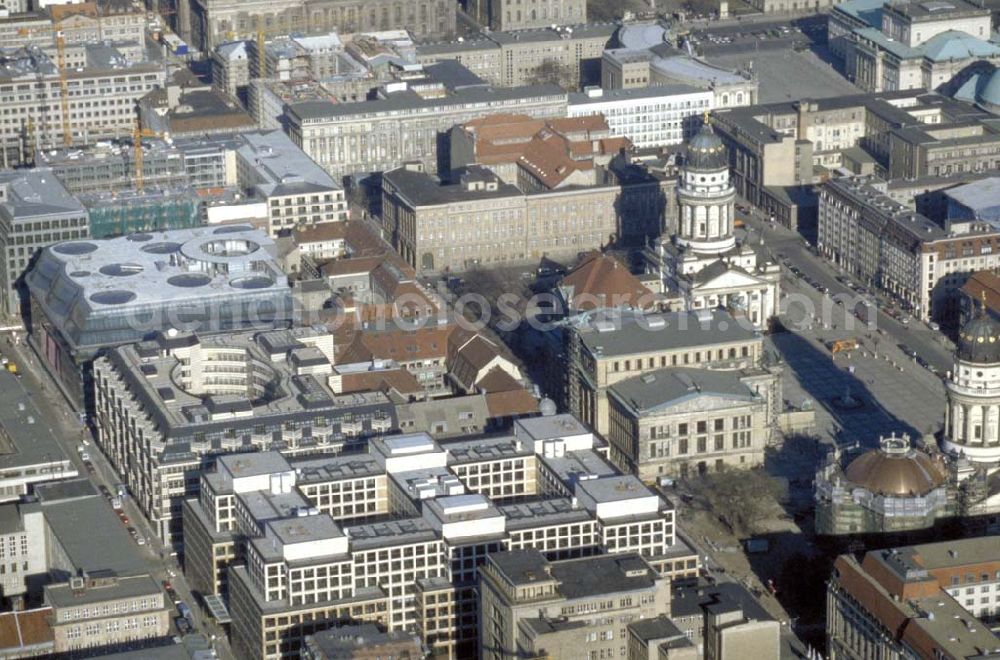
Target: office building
{"x":902,"y":253}
{"x":36,"y":211}
{"x":22,"y":548}
{"x":679,"y":422}
{"x":239,"y":391}
{"x":924,"y":601}
{"x":509,"y":15}
{"x":408,"y":523}
{"x":721,"y":621}
{"x":571,"y":53}
{"x":111,"y":166}
{"x":401,"y":126}
{"x":87,"y":296}
{"x":699,"y":262}
{"x":532,"y":607}
{"x":602,"y":353}
{"x":654,"y":116}
{"x":298,"y":192}
{"x":107,"y":611}
{"x":101,"y":102}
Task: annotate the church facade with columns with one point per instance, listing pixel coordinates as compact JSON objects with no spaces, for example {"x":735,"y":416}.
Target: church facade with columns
{"x":702,"y":264}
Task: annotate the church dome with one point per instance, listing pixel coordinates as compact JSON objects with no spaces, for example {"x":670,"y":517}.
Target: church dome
{"x":895,"y":469}
{"x":979,"y":340}
{"x":705,"y":151}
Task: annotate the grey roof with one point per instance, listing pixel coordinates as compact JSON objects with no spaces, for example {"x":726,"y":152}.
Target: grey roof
{"x":981,"y":194}
{"x":453,"y":75}
{"x":659,"y":628}
{"x":281,"y":167}
{"x":390,"y":532}
{"x":111,"y":291}
{"x":254,"y":464}
{"x":92,"y":536}
{"x":689,"y":598}
{"x":411,"y":101}
{"x":61,"y":595}
{"x":421,"y":189}
{"x":652,"y":91}
{"x":603,"y":574}
{"x":27,"y":439}
{"x":10,"y":518}
{"x":538,"y":512}
{"x":671,"y":386}
{"x":36,"y":192}
{"x":637,"y":333}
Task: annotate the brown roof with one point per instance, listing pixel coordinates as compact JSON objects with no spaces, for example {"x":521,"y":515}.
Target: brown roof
{"x":871,"y":595}
{"x":318,"y":233}
{"x":514,"y":403}
{"x":550,"y":149}
{"x":498,"y":380}
{"x":398,"y":344}
{"x":603,"y":281}
{"x":62,"y":12}
{"x":987,"y":282}
{"x":25,"y":629}
{"x":400,"y":380}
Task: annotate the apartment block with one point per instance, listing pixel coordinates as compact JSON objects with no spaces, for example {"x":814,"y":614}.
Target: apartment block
{"x":239,"y":391}
{"x":425,"y":515}
{"x":574,"y":608}
{"x":930,"y":600}
{"x":405,"y":125}
{"x":902,"y":253}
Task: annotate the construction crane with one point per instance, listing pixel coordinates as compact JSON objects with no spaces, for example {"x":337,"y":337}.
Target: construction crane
{"x":261,"y":59}
{"x":137,"y":134}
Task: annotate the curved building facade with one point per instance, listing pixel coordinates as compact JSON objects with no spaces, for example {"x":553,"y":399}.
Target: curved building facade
{"x":972,"y":416}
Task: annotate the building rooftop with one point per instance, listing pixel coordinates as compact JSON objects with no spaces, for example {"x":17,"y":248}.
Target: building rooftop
{"x":599,"y":95}
{"x":26,"y":437}
{"x":936,"y":10}
{"x":542,"y":512}
{"x":981,"y":194}
{"x":670,"y":386}
{"x":410,"y":101}
{"x":280,"y":167}
{"x":688,"y":599}
{"x":578,"y":578}
{"x":633,"y":333}
{"x":34,"y":193}
{"x":91,"y":289}
{"x":62,"y":595}
{"x":389,"y":532}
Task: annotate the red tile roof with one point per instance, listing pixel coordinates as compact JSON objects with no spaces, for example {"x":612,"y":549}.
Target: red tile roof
{"x":603,"y":281}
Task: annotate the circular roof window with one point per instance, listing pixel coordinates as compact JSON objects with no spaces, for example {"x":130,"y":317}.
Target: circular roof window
{"x":166,"y":247}
{"x":140,"y":237}
{"x":74,"y":249}
{"x":232,"y":229}
{"x":112,"y":297}
{"x":121,"y":270}
{"x":252,"y":282}
{"x":189,"y":280}
{"x":80,"y":273}
{"x":234,"y":247}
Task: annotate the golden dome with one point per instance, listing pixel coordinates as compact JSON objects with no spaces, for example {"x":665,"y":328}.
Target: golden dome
{"x":895,"y":469}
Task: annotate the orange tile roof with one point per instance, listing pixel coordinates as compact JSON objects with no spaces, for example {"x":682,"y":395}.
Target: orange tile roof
{"x":513,"y":403}
{"x":498,"y":380}
{"x":603,"y":280}
{"x":400,"y":380}
{"x":398,"y":344}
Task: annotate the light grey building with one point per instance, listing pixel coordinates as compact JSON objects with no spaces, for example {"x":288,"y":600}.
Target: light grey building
{"x":111,"y":166}
{"x":22,"y":547}
{"x":36,"y":211}
{"x":87,"y":296}
{"x":406,"y":125}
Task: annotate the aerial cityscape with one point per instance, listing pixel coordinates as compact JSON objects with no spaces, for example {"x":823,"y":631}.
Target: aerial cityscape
{"x":500,"y":329}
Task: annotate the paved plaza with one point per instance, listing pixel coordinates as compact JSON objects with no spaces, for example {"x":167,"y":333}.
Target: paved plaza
{"x":894,"y":393}
{"x":786,"y":74}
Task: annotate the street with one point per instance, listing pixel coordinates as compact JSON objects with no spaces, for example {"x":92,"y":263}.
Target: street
{"x":70,"y":432}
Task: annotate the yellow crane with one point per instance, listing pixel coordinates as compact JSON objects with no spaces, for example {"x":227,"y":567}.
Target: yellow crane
{"x":60,"y":40}
{"x":261,"y":59}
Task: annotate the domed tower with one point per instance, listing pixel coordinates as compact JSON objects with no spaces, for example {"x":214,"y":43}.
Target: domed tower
{"x":972,"y":418}
{"x":705,"y":198}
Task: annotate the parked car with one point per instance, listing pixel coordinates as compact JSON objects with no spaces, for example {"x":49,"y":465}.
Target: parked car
{"x":89,"y":466}
{"x":907,"y":351}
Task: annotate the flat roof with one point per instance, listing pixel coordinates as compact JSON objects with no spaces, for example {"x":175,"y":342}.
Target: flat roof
{"x":61,"y":595}
{"x":34,"y":193}
{"x":632,"y":333}
{"x":650,"y":92}
{"x":981,"y":194}
{"x":27,"y":440}
{"x":422,"y":189}
{"x":672,"y":385}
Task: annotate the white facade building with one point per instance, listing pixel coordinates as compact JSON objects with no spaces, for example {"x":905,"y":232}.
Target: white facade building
{"x":652,"y":116}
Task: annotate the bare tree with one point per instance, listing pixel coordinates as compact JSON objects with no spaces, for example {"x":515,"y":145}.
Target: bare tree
{"x":554,"y":72}
{"x":742,"y":499}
